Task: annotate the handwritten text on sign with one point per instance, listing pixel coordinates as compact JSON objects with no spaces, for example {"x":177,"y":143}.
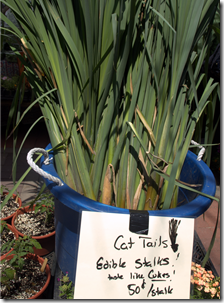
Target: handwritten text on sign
{"x":114,"y":263}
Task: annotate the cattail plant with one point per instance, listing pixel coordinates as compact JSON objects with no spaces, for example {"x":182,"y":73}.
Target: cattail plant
{"x":117,"y":85}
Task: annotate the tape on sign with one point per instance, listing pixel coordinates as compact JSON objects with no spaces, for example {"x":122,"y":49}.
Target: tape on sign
{"x":139,"y":221}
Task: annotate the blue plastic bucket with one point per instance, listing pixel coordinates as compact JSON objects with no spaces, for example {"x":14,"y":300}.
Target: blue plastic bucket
{"x":69,"y":205}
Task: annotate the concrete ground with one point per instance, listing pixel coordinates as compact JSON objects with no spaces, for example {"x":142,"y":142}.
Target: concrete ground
{"x":29,"y":187}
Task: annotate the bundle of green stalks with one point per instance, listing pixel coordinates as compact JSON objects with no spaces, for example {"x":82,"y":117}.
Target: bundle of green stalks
{"x":117,"y":85}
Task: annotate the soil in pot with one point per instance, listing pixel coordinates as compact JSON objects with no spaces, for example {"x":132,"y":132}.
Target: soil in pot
{"x":31,"y":224}
{"x":29,"y":283}
{"x":26,"y":222}
{"x":7,"y":235}
{"x":10,"y":208}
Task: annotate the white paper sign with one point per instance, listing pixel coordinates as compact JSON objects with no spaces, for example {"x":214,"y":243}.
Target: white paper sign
{"x":114,"y":263}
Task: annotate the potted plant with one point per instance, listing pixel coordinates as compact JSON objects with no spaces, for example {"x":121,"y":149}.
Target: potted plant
{"x":37,"y":221}
{"x":8,"y":233}
{"x":8,"y":88}
{"x":22,"y":276}
{"x":122,"y":105}
{"x":9,"y":84}
{"x":66,"y":287}
{"x":205,"y":284}
{"x":11,"y":206}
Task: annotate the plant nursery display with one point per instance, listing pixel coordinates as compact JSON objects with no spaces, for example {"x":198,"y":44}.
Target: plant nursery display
{"x":22,"y":276}
{"x":117,"y":83}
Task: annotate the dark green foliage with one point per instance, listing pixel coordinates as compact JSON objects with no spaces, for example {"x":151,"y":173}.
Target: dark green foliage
{"x":21,"y":247}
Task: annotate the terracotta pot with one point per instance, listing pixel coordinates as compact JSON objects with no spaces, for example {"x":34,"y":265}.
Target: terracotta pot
{"x":47,"y":270}
{"x":17,"y":236}
{"x":9,"y":218}
{"x":47,"y":242}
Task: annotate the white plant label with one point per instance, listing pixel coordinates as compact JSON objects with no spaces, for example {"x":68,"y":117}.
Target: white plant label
{"x":115,"y":263}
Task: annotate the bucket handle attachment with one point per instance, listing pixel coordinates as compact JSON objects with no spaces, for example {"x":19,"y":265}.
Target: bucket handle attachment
{"x":37,"y":169}
{"x":201,"y":152}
